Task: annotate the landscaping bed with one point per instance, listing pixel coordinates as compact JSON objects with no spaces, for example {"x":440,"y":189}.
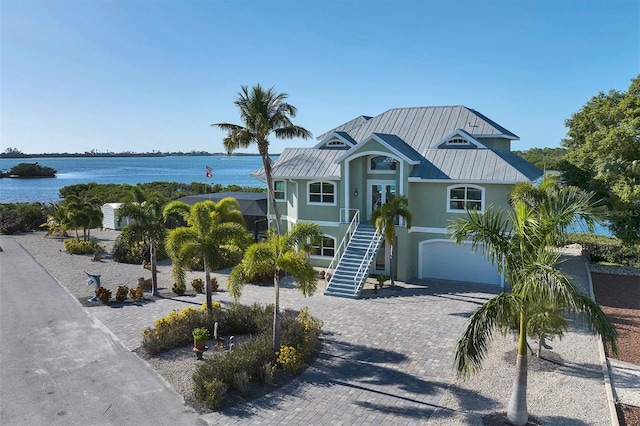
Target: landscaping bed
{"x":619,"y":296}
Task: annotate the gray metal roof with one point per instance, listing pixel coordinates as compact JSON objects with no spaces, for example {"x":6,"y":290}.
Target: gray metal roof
{"x":484,"y":165}
{"x":402,"y":147}
{"x":251,"y":203}
{"x":305,"y":163}
{"x":347,"y":126}
{"x":422,"y":127}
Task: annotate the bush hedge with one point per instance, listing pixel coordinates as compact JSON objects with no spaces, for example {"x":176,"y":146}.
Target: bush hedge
{"x":607,"y":249}
{"x":75,"y":246}
{"x":252,"y":360}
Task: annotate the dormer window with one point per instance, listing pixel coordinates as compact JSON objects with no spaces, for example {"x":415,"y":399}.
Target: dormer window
{"x":382,"y":164}
{"x":335,"y":144}
{"x":457,"y":141}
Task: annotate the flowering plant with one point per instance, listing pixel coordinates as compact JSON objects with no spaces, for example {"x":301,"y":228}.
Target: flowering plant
{"x":200,"y":334}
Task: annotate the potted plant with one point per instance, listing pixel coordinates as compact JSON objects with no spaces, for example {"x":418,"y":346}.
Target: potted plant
{"x":200,"y":337}
{"x":381,"y":279}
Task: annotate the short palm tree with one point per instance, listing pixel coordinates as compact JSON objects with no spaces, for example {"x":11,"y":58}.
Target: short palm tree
{"x":148,"y":226}
{"x":278,"y":253}
{"x":384,"y":219}
{"x":85,"y":214}
{"x":522,"y":243}
{"x":262,"y":112}
{"x":210,"y":226}
{"x":57,"y":220}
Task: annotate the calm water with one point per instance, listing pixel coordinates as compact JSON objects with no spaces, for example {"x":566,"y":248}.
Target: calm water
{"x":131,"y":170}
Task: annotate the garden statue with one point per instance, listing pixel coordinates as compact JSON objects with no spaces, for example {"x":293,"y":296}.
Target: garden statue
{"x":95,"y":281}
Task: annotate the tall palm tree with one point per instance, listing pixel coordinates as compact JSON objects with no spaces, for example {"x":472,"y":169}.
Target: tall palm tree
{"x":209,"y":227}
{"x":522,"y":243}
{"x":262,"y":113}
{"x":278,"y":253}
{"x":148,"y":226}
{"x":384,"y":219}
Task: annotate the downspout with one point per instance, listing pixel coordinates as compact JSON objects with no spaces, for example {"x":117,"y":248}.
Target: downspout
{"x":297,"y":200}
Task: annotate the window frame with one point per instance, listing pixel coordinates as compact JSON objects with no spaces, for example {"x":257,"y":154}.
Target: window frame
{"x":466,"y":200}
{"x":321,"y":250}
{"x":460,"y":141}
{"x":322,"y":193}
{"x":371,"y":170}
{"x":283,"y":191}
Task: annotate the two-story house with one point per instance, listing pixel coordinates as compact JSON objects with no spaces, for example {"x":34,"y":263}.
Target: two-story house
{"x":443,"y":159}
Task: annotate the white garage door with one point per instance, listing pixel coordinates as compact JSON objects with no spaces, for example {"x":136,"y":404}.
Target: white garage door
{"x":450,"y":261}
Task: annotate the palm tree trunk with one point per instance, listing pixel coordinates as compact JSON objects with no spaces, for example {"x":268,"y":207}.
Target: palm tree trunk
{"x":392,"y":266}
{"x":266,"y":163}
{"x":517,"y":410}
{"x":207,"y":286}
{"x":154,"y":268}
{"x":276,"y":312}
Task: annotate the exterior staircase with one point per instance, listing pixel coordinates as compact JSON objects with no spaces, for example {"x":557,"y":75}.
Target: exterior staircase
{"x":348,"y":277}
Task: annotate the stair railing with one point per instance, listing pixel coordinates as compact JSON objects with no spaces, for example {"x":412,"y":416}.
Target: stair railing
{"x":351,"y":229}
{"x":363,"y":271}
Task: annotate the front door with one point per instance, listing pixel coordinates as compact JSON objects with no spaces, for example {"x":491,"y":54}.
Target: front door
{"x":380,"y":191}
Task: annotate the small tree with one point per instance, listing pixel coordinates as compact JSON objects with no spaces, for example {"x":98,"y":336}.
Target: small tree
{"x":210,"y":226}
{"x":384,"y":219}
{"x":278,"y":253}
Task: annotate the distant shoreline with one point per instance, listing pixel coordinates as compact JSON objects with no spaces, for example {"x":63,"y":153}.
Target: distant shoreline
{"x":126,"y":154}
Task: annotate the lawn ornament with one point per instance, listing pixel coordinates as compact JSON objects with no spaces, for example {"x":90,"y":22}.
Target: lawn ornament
{"x":93,"y":280}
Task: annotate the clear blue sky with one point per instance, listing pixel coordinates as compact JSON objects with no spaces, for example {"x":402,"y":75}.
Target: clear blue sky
{"x":153,"y":75}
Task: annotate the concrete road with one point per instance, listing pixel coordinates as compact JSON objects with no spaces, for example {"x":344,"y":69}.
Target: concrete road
{"x":59,"y":367}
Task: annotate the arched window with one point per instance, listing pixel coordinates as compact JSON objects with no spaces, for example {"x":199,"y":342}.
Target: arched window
{"x":328,"y":248}
{"x":321,"y":193}
{"x":465,"y":197}
{"x":382,"y":164}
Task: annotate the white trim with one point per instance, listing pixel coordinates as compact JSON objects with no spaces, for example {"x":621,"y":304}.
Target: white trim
{"x":497,"y":136}
{"x":322,"y":223}
{"x":382,"y":172}
{"x":467,"y":181}
{"x":369,"y":195}
{"x":284,"y":191}
{"x":350,"y":154}
{"x":458,"y":133}
{"x":330,"y":136}
{"x":426,"y":229}
{"x":320,"y":203}
{"x":335,"y":248}
{"x":469,"y":185}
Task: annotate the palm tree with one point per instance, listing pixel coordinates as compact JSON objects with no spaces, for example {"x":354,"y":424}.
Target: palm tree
{"x":384,"y":219}
{"x":522,"y":244}
{"x":57,"y":220}
{"x":278,"y":253}
{"x":210,"y":226}
{"x":85,"y":214}
{"x":148,"y":226}
{"x":262,"y":112}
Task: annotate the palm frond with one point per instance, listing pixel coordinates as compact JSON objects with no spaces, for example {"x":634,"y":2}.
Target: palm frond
{"x":297,"y":265}
{"x":472,"y":346}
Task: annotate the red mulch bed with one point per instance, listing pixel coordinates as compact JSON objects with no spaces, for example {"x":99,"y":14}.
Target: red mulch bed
{"x":619,"y":297}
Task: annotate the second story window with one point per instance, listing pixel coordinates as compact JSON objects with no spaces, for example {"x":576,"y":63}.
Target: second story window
{"x":279,"y":190}
{"x":322,"y":193}
{"x":461,"y":198}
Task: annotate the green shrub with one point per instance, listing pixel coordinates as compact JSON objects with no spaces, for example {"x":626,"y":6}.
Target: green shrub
{"x":289,"y":359}
{"x":128,"y":249}
{"x":75,"y":246}
{"x":211,"y":392}
{"x":22,"y":217}
{"x":173,"y":330}
{"x":607,"y":249}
